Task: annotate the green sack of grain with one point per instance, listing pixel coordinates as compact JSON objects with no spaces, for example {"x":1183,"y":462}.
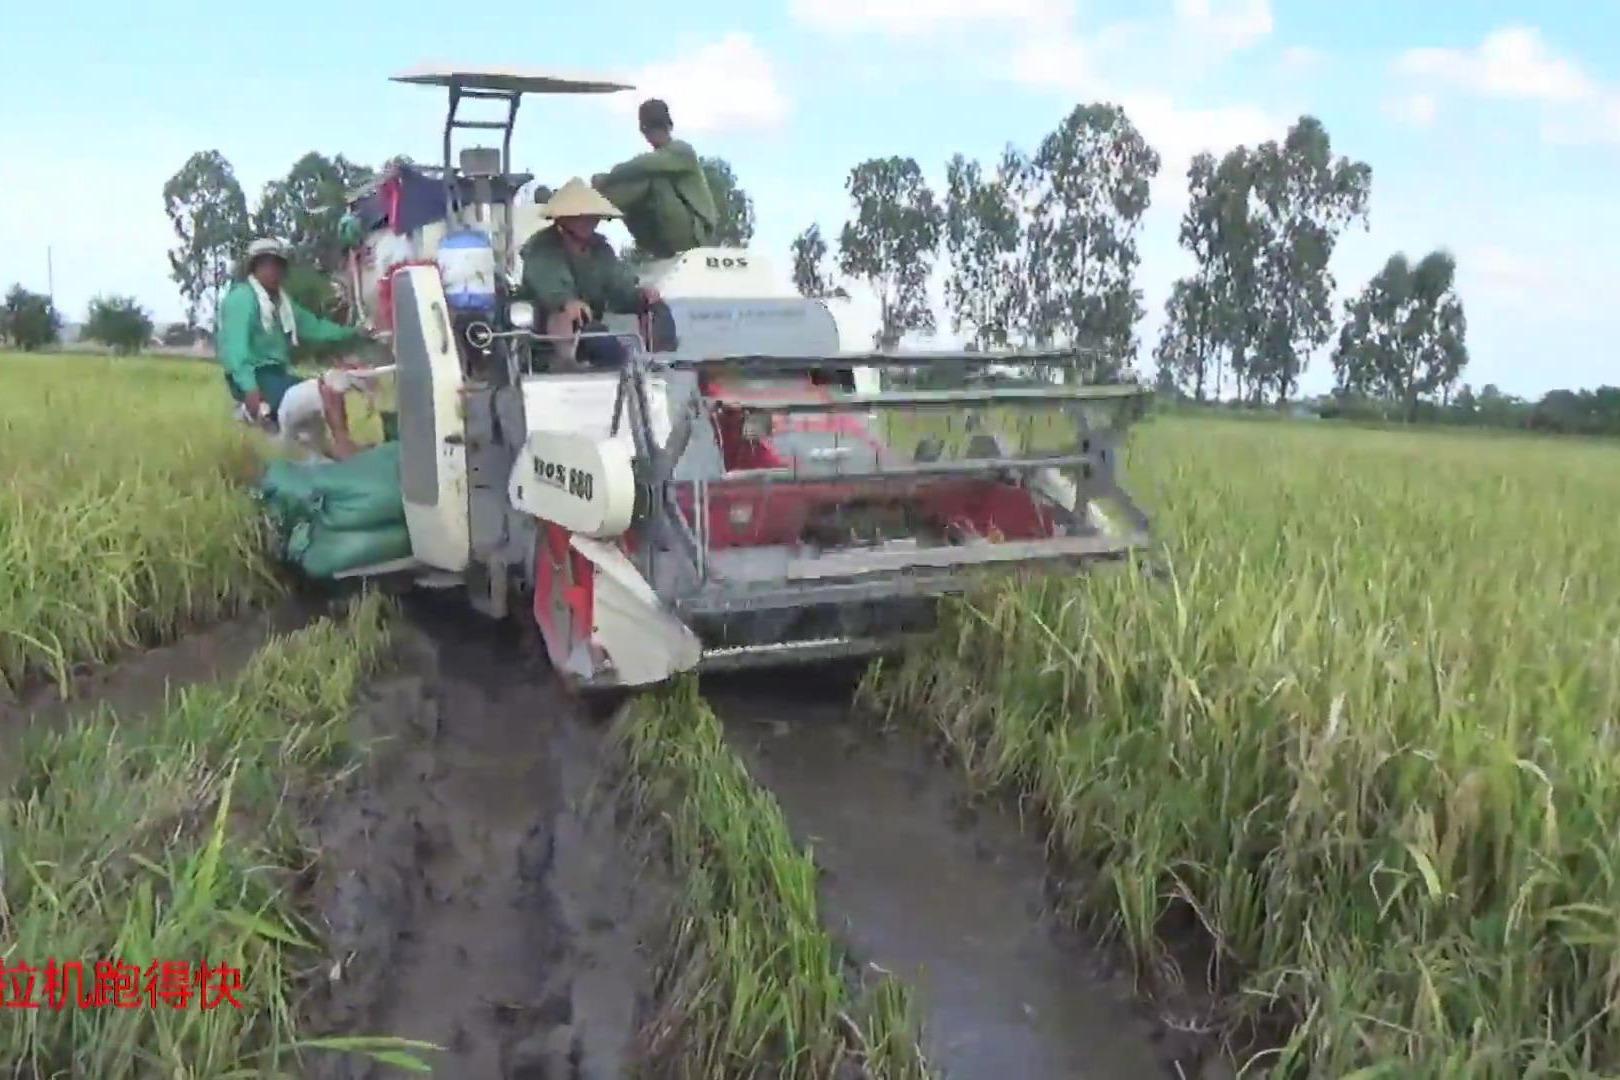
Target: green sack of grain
{"x":288,"y":492}
{"x":360,"y":493}
{"x":320,"y":552}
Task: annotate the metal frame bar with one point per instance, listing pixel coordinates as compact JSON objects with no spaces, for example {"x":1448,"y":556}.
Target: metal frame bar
{"x":742,"y":657}
{"x":506,"y":141}
{"x":844,"y":564}
{"x":891,"y":359}
{"x":1055,"y":396}
{"x":923,"y":582}
{"x":451,"y":124}
{"x":958,"y":467}
{"x":856,"y":576}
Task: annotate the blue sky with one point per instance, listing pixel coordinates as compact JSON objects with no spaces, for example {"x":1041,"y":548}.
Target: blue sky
{"x":1493,"y":129}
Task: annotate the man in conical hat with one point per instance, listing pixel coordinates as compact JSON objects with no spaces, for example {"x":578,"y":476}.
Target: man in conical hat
{"x":574,"y":277}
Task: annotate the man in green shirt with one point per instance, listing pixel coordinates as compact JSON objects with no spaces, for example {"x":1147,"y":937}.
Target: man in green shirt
{"x":259,"y":326}
{"x":667,"y":205}
{"x":574,"y":277}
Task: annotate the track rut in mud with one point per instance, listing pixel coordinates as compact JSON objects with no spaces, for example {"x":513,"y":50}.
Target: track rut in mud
{"x":469,"y":897}
{"x":948,"y":897}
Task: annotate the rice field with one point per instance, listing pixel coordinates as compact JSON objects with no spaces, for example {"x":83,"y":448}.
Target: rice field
{"x":1362,"y":735}
{"x":122,"y":520}
{"x":182,"y":836}
{"x":160,"y":846}
{"x":1358,"y":739}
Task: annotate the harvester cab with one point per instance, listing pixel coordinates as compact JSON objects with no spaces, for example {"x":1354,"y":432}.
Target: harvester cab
{"x":741,"y":492}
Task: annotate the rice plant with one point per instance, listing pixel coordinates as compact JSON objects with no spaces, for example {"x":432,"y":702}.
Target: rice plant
{"x":122,"y":517}
{"x":751,"y":983}
{"x":1363,"y":734}
{"x":174,"y":841}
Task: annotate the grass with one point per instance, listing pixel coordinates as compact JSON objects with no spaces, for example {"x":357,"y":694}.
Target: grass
{"x":122,"y":520}
{"x":1365,"y":736}
{"x":752,"y":984}
{"x":175,"y":839}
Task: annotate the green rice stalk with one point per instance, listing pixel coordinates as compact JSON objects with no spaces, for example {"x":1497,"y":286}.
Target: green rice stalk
{"x":1366,"y":736}
{"x":122,"y":519}
{"x":751,"y":984}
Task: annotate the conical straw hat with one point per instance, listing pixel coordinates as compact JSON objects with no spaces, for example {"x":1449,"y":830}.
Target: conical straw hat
{"x":578,"y":199}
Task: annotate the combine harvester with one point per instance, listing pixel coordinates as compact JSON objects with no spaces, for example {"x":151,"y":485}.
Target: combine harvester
{"x":741,"y":493}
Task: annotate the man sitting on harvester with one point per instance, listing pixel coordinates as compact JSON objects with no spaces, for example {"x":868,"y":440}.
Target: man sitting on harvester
{"x":259,"y":327}
{"x":668,"y":207}
{"x":574,"y":278}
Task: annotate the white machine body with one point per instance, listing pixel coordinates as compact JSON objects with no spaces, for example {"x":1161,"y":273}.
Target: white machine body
{"x":434,"y":485}
{"x":581,"y":482}
{"x":645,"y":642}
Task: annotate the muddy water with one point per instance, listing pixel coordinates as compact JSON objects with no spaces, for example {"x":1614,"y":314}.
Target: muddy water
{"x":949,"y":899}
{"x":473,"y":898}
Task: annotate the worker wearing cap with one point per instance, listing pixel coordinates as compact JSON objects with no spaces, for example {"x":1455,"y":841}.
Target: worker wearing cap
{"x":574,"y":277}
{"x":664,"y":194}
{"x":259,"y":326}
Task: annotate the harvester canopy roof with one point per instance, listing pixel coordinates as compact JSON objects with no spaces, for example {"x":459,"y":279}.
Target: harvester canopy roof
{"x":510,"y":80}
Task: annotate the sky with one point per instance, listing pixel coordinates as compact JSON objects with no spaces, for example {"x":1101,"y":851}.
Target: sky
{"x":1492,"y":129}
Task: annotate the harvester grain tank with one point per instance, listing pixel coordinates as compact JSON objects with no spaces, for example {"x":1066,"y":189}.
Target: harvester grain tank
{"x":741,"y":492}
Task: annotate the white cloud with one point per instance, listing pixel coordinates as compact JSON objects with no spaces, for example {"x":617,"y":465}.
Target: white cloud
{"x":1067,"y":61}
{"x":724,"y":85}
{"x":1512,"y":62}
{"x":1229,"y":25}
{"x":1505,"y":273}
{"x":1179,"y":132}
{"x":1597,"y":121}
{"x":917,"y":17}
{"x":1413,"y":110}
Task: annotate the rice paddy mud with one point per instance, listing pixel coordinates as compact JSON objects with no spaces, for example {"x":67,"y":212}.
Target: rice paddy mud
{"x":140,"y":683}
{"x":483,"y":891}
{"x":472,"y":894}
{"x":475,"y":887}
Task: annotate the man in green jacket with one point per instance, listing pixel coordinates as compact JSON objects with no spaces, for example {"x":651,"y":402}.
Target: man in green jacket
{"x":259,"y":326}
{"x":574,"y":277}
{"x":663,"y":193}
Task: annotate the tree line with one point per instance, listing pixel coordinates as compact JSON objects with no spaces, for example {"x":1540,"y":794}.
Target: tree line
{"x":213,"y":225}
{"x":1040,"y":249}
{"x":1041,"y":246}
{"x":1564,"y":412}
{"x":30,"y":321}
